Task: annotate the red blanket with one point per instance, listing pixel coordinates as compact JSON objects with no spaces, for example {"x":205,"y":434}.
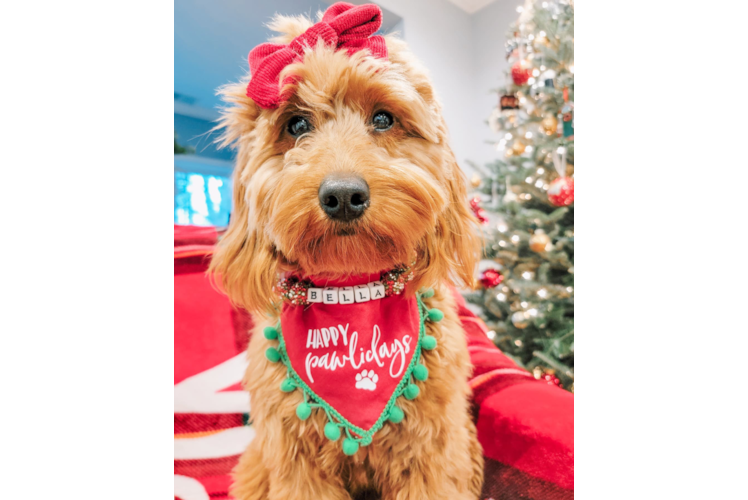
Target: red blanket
{"x":526,"y":426}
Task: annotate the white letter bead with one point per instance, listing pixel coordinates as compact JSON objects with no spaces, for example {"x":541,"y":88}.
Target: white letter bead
{"x":362,"y":293}
{"x":377,"y":290}
{"x":330,"y":295}
{"x":346,"y":295}
{"x":314,"y":295}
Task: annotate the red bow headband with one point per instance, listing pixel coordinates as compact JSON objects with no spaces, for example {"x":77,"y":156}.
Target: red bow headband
{"x":344,"y":26}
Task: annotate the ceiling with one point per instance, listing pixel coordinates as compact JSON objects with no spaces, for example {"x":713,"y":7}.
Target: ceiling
{"x":471,"y":6}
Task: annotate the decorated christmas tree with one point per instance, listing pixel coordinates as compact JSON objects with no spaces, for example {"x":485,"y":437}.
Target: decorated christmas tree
{"x":525,"y":198}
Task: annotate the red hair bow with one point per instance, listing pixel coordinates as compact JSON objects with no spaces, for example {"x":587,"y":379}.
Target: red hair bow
{"x":344,"y":26}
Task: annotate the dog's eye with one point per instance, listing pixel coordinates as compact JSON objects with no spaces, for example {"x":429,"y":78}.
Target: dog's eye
{"x":299,"y":125}
{"x":382,"y":121}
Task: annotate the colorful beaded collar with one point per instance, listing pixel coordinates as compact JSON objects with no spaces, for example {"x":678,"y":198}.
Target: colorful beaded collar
{"x":355,"y":353}
{"x":303,"y":292}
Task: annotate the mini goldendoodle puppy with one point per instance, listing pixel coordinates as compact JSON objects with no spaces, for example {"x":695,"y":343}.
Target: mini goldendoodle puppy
{"x":345,"y":185}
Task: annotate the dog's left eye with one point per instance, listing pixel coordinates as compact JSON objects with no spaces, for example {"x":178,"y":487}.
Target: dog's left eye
{"x":382,"y":121}
{"x":299,"y":125}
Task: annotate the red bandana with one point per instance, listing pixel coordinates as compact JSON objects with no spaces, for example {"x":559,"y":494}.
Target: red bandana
{"x":344,"y":26}
{"x":354,"y":360}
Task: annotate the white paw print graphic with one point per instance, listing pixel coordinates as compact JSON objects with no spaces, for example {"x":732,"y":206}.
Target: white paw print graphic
{"x":367,"y":380}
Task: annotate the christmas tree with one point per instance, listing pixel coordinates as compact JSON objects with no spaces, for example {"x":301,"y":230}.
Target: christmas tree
{"x":525,"y":198}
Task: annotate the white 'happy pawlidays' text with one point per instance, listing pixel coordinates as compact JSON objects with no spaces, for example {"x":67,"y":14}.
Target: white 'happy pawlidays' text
{"x":318,"y":338}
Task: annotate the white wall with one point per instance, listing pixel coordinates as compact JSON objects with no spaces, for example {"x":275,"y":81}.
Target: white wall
{"x":488,"y":27}
{"x":465,"y":56}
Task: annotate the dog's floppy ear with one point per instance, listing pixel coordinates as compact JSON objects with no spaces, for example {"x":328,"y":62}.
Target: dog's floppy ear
{"x":244,"y":264}
{"x":462,"y":243}
{"x":452,"y":250}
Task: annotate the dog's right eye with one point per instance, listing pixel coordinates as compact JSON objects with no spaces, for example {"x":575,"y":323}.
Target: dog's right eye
{"x":299,"y":125}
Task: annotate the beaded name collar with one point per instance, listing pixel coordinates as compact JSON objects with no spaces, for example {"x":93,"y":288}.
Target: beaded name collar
{"x":353,"y":347}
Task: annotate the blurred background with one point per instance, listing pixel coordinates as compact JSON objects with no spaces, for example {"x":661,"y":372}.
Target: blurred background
{"x":461,"y":42}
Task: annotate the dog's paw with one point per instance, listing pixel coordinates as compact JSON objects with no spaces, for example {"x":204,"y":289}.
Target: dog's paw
{"x":367,"y":380}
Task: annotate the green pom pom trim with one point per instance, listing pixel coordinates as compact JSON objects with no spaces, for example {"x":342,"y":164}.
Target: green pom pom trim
{"x":435,"y":315}
{"x":270,"y":333}
{"x":289,"y":385}
{"x":428,"y":342}
{"x":427,"y":293}
{"x":332,"y":431}
{"x":421,"y":373}
{"x":303,"y":411}
{"x":350,"y":446}
{"x":411,"y":392}
{"x":356,"y":436}
{"x":272,"y":354}
{"x":396,"y":415}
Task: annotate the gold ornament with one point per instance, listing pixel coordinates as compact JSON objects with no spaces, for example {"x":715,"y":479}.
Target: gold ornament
{"x":539,"y":241}
{"x":541,"y":41}
{"x":519,"y":320}
{"x":518,"y":147}
{"x":549,"y":124}
{"x":475,"y":181}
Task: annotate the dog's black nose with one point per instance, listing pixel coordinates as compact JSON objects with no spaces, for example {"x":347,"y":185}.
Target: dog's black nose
{"x":344,"y":197}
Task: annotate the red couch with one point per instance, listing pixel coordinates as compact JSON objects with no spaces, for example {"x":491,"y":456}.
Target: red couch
{"x":526,"y":426}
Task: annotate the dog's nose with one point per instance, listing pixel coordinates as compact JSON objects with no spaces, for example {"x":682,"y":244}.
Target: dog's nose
{"x":344,"y":197}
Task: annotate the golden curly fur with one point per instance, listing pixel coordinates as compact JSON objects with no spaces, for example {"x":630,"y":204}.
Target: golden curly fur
{"x":418,"y":207}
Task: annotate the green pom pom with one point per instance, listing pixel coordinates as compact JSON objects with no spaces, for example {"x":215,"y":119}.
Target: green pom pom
{"x":350,"y":447}
{"x":270,"y":333}
{"x":289,"y":385}
{"x":435,"y":315}
{"x":396,"y":415}
{"x":332,"y":431}
{"x":411,"y":391}
{"x":420,"y":372}
{"x":428,"y":342}
{"x":427,"y":293}
{"x":272,"y":354}
{"x":303,"y":411}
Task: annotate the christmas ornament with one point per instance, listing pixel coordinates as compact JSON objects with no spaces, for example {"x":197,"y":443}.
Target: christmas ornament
{"x":541,"y":41}
{"x":508,"y":101}
{"x":480,"y":214}
{"x":491,"y":278}
{"x":552,"y":380}
{"x":475,"y":181}
{"x":547,"y":374}
{"x":519,"y":320}
{"x":520,"y":72}
{"x":319,"y":346}
{"x":539,"y":241}
{"x":566,"y":110}
{"x":561,"y":191}
{"x":549,"y":124}
{"x":518,"y":147}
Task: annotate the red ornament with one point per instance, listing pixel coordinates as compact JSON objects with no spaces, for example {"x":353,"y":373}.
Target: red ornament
{"x":552,"y":380}
{"x":478,"y":211}
{"x":561,"y":191}
{"x":491,"y":278}
{"x":520,"y":73}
